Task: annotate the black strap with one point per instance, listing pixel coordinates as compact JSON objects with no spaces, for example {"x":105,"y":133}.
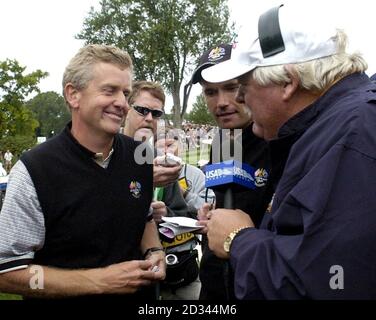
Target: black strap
{"x":270,"y":36}
{"x":151,"y":250}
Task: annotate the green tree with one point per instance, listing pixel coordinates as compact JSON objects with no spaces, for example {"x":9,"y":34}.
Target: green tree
{"x":15,"y":87}
{"x":17,"y":144}
{"x":50,"y":110}
{"x":200,"y":113}
{"x":163,"y":37}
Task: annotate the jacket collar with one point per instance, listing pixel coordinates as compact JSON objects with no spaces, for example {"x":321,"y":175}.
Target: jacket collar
{"x":304,"y":119}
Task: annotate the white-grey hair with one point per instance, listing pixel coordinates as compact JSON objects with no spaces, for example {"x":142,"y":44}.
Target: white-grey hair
{"x":316,"y":75}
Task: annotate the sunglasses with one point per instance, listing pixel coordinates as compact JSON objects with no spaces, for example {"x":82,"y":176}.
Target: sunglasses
{"x":143,"y":111}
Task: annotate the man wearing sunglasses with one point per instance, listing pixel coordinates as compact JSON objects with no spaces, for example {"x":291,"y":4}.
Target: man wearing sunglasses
{"x":144,"y":111}
{"x":147,"y":101}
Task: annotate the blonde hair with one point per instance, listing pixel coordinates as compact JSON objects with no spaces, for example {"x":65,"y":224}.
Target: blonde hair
{"x":315,"y":75}
{"x":154,"y":88}
{"x":79,"y":71}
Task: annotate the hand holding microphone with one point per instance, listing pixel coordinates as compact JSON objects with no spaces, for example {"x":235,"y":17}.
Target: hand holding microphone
{"x":230,"y":175}
{"x":227,"y":177}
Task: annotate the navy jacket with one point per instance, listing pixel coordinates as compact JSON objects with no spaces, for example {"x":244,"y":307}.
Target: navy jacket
{"x":319,"y":240}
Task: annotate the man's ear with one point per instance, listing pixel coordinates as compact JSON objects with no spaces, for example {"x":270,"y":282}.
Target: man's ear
{"x":72,"y":95}
{"x":291,"y":87}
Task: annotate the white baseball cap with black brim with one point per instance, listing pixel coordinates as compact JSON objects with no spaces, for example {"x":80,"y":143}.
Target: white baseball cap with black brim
{"x":284,"y":36}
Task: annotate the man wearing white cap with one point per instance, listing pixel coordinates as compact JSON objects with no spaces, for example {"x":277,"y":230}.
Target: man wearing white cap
{"x":313,"y":101}
{"x":234,"y":121}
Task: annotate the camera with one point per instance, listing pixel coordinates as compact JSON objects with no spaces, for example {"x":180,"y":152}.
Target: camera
{"x":171,"y":259}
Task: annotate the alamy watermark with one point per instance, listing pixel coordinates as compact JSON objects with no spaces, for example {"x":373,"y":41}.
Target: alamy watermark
{"x":337,"y":281}
{"x":37,"y":279}
{"x":193,"y":148}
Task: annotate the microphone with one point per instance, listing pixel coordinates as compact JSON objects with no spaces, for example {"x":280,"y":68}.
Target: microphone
{"x":230,"y":175}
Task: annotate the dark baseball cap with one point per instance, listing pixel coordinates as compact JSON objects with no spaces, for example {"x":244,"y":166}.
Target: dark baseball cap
{"x":211,"y":57}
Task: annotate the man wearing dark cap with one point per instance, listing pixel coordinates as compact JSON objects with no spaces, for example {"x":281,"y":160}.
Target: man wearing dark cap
{"x":311,"y":97}
{"x":234,"y":121}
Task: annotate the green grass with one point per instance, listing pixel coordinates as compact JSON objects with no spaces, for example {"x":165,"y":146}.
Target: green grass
{"x":192,"y":156}
{"x":5,"y":296}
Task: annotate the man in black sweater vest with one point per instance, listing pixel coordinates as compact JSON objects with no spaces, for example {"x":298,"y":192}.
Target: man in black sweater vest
{"x":76,"y":221}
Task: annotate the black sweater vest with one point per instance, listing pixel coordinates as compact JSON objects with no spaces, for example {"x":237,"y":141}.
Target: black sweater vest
{"x":94,"y":217}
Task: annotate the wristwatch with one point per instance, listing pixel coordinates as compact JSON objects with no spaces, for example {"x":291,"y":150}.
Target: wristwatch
{"x":230,"y":238}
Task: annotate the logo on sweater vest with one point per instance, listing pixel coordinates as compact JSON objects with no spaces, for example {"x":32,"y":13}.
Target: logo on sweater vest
{"x":135,"y":189}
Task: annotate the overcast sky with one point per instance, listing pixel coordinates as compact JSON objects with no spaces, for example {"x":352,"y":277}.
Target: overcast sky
{"x":40,"y":33}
